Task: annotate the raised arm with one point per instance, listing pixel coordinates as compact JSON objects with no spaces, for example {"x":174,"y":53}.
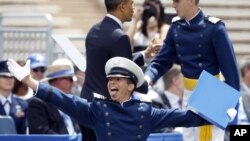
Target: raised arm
{"x":69,"y":104}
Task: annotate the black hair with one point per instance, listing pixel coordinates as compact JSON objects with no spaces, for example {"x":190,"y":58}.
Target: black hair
{"x":197,"y":2}
{"x":148,"y":12}
{"x":111,"y":5}
{"x":161,"y":18}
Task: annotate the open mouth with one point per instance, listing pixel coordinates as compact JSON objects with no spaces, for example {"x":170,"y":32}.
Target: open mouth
{"x":113,"y":91}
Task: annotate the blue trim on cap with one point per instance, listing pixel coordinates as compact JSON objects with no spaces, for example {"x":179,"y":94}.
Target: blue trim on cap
{"x":37,"y":65}
{"x":61,"y":73}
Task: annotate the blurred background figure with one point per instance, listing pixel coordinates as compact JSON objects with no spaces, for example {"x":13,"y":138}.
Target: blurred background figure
{"x":245,"y":76}
{"x":78,"y":82}
{"x":171,"y":96}
{"x":148,"y":23}
{"x":10,"y":104}
{"x":173,"y":89}
{"x":38,"y":65}
{"x":161,"y":17}
{"x":244,"y":103}
{"x":148,"y":30}
{"x":45,"y":118}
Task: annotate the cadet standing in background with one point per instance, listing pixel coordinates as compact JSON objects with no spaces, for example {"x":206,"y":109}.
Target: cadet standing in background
{"x":197,"y":42}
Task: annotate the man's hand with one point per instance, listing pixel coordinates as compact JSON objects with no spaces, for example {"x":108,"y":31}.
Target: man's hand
{"x":152,"y":49}
{"x":19,"y":72}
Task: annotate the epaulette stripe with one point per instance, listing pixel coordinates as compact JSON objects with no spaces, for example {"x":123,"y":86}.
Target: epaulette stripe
{"x":175,"y":19}
{"x":213,"y":20}
{"x":98,"y":96}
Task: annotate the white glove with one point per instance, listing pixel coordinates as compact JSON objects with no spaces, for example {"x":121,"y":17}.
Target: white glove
{"x":231,"y":114}
{"x":18,"y":71}
{"x":147,"y":78}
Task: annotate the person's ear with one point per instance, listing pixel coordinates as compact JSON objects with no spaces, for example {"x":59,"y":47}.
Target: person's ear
{"x":131,"y":87}
{"x":122,"y":6}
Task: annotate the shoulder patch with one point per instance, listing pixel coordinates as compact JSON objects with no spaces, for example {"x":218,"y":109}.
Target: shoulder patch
{"x":98,"y":96}
{"x":175,"y":19}
{"x":213,"y":20}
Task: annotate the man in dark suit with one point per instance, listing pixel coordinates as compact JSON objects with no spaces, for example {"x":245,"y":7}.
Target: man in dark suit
{"x":45,"y":118}
{"x":10,"y":104}
{"x":105,"y":40}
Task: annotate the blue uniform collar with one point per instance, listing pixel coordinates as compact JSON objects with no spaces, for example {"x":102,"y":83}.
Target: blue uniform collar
{"x":196,"y":19}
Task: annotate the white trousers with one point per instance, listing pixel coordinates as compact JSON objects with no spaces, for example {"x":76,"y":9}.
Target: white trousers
{"x":193,"y":133}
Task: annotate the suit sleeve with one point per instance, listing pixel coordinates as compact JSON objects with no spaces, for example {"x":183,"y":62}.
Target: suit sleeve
{"x":76,"y":107}
{"x":37,"y":118}
{"x":226,"y":57}
{"x":162,"y":118}
{"x":122,"y":48}
{"x":164,"y":59}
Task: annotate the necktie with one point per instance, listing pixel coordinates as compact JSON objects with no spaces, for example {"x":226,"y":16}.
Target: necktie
{"x":6,"y":106}
{"x":180,"y":103}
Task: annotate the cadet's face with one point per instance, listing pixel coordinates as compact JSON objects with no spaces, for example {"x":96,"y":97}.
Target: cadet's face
{"x":6,"y":83}
{"x":119,"y":89}
{"x":181,"y":7}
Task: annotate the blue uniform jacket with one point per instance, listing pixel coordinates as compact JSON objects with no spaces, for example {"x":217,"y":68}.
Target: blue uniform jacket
{"x":18,"y":111}
{"x":197,"y":45}
{"x":111,"y":121}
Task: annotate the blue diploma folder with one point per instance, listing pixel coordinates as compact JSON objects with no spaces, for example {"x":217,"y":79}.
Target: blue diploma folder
{"x":212,"y":98}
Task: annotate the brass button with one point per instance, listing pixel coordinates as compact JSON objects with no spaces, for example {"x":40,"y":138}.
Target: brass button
{"x":138,"y":136}
{"x":140,"y":108}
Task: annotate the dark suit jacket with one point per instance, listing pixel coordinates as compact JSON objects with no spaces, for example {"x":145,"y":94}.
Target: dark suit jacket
{"x":104,"y":41}
{"x":18,"y":109}
{"x":44,"y":118}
